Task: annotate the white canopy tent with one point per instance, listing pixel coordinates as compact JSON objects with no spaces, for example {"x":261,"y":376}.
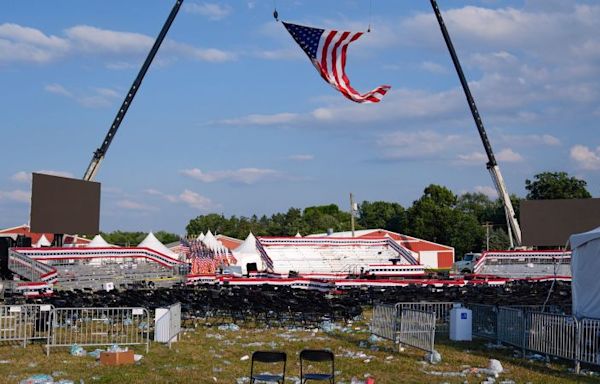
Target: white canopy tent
{"x":247,"y":253}
{"x":43,"y":242}
{"x":99,"y":242}
{"x":152,"y":242}
{"x":585,"y":265}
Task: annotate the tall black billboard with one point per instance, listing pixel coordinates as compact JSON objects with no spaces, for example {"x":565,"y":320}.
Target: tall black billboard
{"x":551,"y":222}
{"x":63,"y":205}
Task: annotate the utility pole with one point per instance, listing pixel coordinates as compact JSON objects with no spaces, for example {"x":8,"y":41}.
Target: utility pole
{"x":353,"y":209}
{"x":487,"y":226}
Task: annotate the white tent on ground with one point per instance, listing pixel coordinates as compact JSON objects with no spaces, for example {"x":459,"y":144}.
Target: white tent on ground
{"x":200,"y":236}
{"x":211,"y":242}
{"x":585,"y":264}
{"x":152,"y":242}
{"x":43,"y":242}
{"x":247,"y":253}
{"x":99,"y":242}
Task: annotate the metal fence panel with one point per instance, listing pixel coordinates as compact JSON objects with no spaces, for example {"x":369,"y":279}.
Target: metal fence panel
{"x":485,"y":320}
{"x":417,"y":329}
{"x":13,"y":323}
{"x":511,"y":326}
{"x":38,"y":321}
{"x":441,"y":309}
{"x":589,"y":341}
{"x":554,"y":335}
{"x":99,"y":326}
{"x":384,"y":321}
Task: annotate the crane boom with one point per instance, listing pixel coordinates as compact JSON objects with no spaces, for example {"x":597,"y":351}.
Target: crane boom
{"x":492,"y":165}
{"x":101,"y":152}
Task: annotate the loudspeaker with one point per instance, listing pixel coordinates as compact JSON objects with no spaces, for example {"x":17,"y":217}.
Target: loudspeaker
{"x":251,"y":267}
{"x":23,"y":241}
{"x":5,"y":243}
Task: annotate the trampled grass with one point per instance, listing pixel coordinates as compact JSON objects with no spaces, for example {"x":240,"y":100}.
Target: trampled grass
{"x":206,"y":354}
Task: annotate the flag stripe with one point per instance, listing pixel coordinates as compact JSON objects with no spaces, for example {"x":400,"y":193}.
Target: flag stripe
{"x":327,"y":51}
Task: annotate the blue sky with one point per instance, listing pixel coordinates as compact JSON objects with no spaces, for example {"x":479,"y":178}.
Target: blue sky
{"x":233,"y":119}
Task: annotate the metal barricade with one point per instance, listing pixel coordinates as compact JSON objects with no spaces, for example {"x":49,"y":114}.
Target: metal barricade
{"x":384,"y":320}
{"x":38,"y":321}
{"x":511,"y":326}
{"x":417,"y":329}
{"x":441,"y":309}
{"x":13,"y":323}
{"x":588,"y":337}
{"x":554,"y":335}
{"x":99,"y":326}
{"x":485,"y":320}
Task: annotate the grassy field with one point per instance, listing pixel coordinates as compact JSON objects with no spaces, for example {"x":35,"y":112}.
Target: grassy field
{"x":206,"y":354}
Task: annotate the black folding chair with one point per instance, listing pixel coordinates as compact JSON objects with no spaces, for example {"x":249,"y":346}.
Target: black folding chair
{"x":317,"y":355}
{"x":268,"y":357}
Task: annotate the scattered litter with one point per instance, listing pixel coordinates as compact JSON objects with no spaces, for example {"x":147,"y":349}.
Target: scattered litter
{"x":536,"y":357}
{"x":507,"y":382}
{"x":244,"y":358}
{"x":116,"y":348}
{"x":229,"y":327}
{"x":446,"y":374}
{"x":58,"y":373}
{"x":38,"y":379}
{"x":367,"y":361}
{"x":390,"y":358}
{"x":137,"y":357}
{"x":76,"y":350}
{"x":5,"y":361}
{"x":495,"y":346}
{"x":96,"y":353}
{"x":242,"y":380}
{"x":433,"y":357}
{"x":374,"y":339}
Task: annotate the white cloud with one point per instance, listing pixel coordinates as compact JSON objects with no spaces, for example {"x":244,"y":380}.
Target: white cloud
{"x":58,"y":89}
{"x":188,"y":197}
{"x":24,"y":44}
{"x":527,"y":140}
{"x":509,"y":156}
{"x":473,"y":158}
{"x":16,"y":195}
{"x":586,"y":158}
{"x":436,"y":68}
{"x":25,"y":177}
{"x":302,"y":157}
{"x":487,"y":190}
{"x":256,"y":119}
{"x":212,"y":11}
{"x":135,"y":206}
{"x":242,"y":175}
{"x":97,"y":98}
{"x":196,"y":200}
{"x":415,"y":145}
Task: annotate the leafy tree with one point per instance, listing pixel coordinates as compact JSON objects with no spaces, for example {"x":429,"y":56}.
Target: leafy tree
{"x":214,"y":222}
{"x":381,"y":214}
{"x":556,"y":185}
{"x":134,"y":238}
{"x":436,"y":217}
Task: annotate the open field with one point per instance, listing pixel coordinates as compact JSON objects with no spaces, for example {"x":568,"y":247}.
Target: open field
{"x":206,"y":354}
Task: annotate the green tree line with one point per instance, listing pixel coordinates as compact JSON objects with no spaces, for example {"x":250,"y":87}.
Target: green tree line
{"x":439,"y":215}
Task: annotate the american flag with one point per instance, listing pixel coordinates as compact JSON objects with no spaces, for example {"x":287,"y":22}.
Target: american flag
{"x":327,"y":51}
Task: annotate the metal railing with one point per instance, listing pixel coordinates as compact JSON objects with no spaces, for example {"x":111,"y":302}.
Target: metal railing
{"x":441,"y":310}
{"x":384,"y":322}
{"x":554,"y":335}
{"x":547,"y":333}
{"x":511,"y":326}
{"x":485,"y":320}
{"x":417,"y":329}
{"x":98,"y":327}
{"x":24,"y":323}
{"x":588,"y":341}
